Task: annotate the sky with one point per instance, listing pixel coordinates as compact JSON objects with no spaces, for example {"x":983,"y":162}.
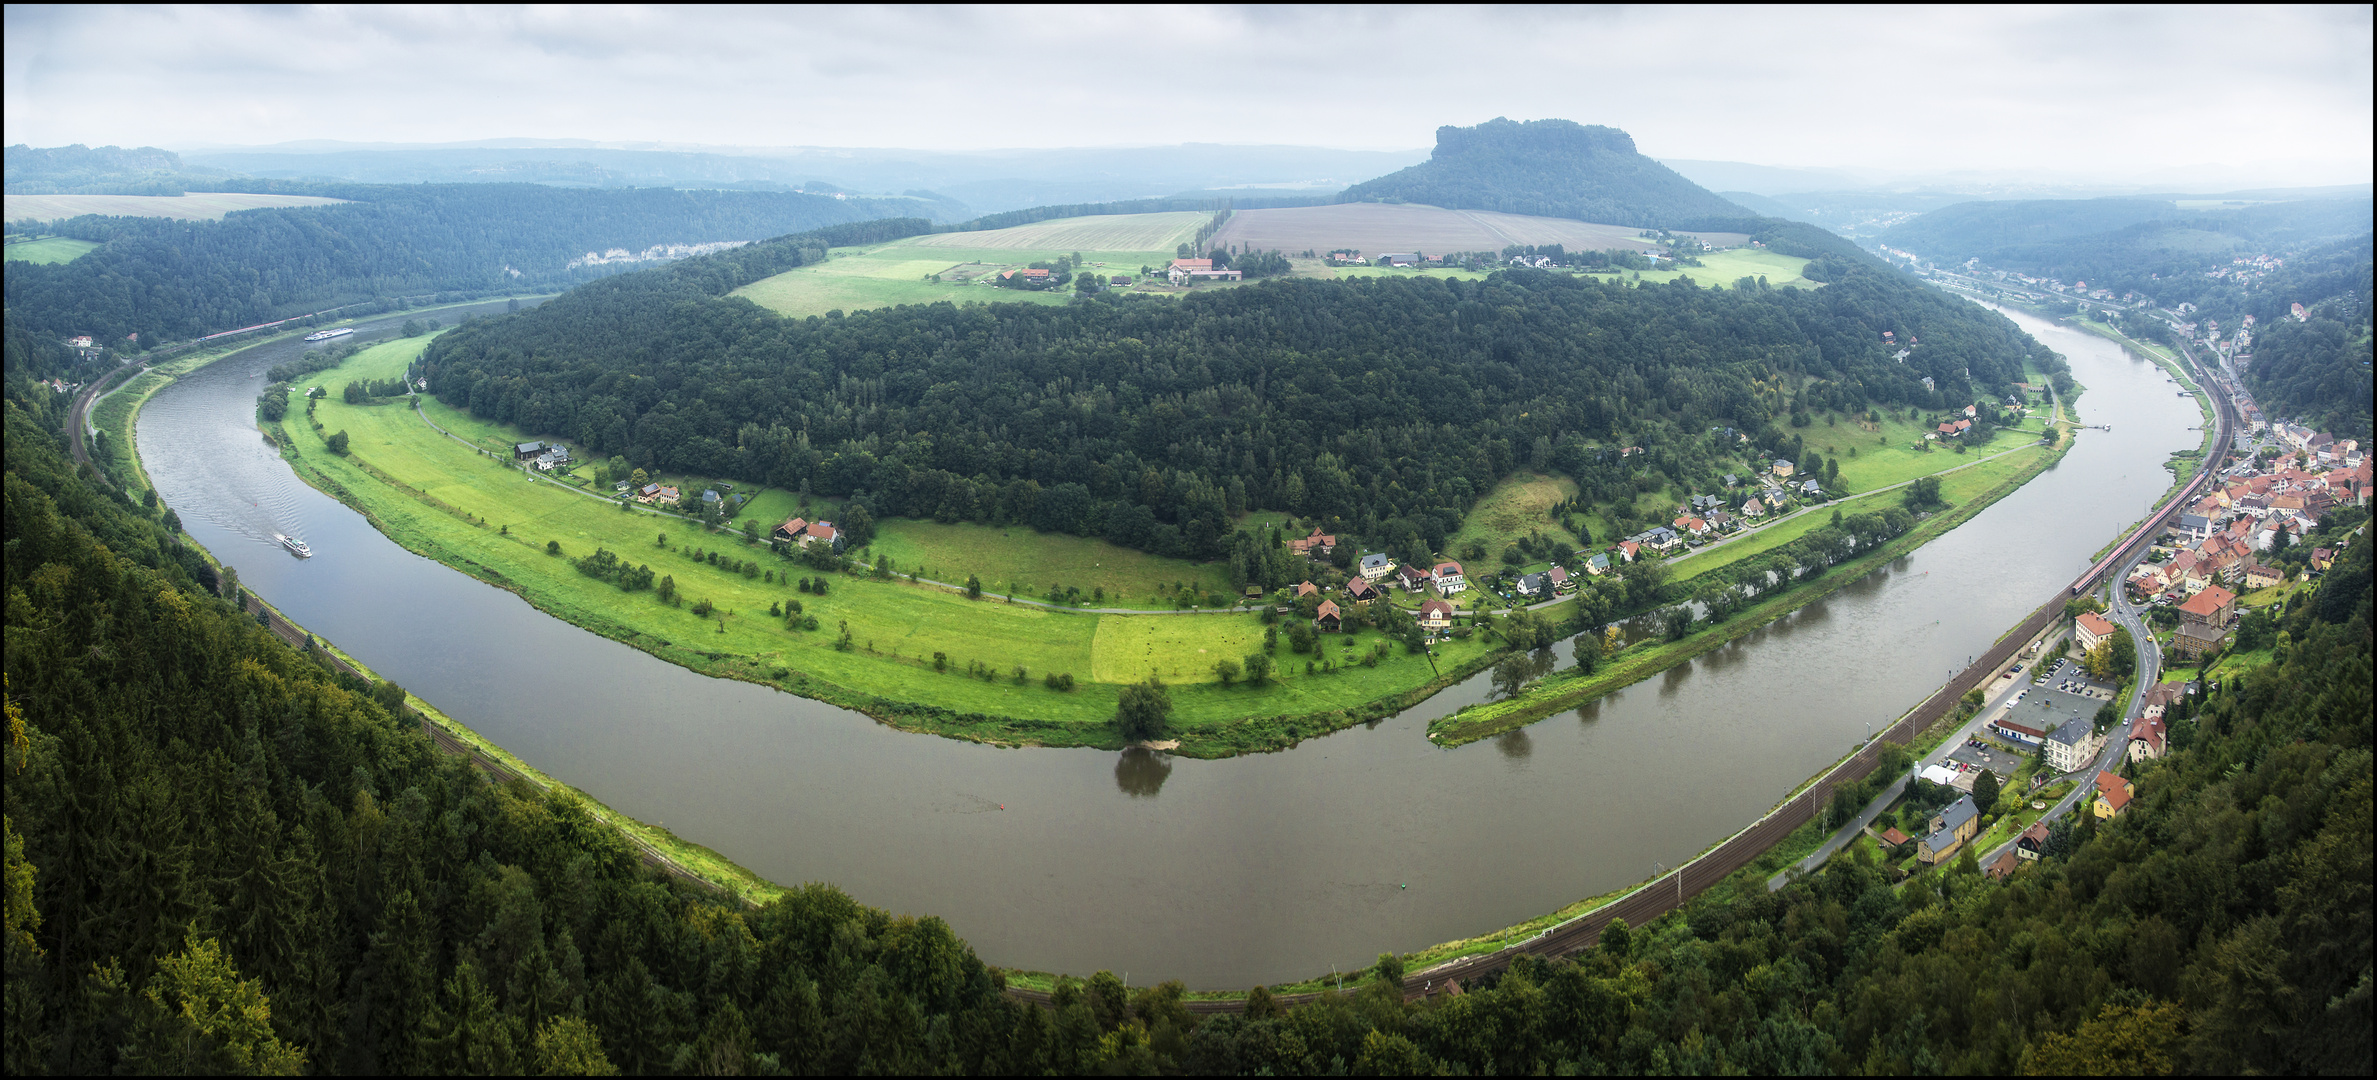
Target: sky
{"x":2255,"y":95}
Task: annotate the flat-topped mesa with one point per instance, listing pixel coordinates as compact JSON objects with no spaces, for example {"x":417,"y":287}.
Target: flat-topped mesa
{"x":1551,"y":168}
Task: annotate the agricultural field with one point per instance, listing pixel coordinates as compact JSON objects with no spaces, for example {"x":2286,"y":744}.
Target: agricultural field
{"x":956,"y":267}
{"x":1733,"y":264}
{"x":1029,"y":562}
{"x":49,"y":249}
{"x":450,"y":501}
{"x":1376,"y":227}
{"x":196,"y":206}
{"x":1110,"y":232}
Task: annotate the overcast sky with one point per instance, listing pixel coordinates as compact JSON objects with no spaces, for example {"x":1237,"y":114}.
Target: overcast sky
{"x":2278,"y":95}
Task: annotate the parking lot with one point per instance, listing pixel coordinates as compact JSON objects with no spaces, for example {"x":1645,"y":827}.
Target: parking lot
{"x":1978,"y":754}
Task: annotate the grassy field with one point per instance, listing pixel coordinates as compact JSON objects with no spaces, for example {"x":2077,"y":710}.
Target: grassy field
{"x":50,"y":249}
{"x":453,"y":503}
{"x":1031,"y":562}
{"x":1732,"y":264}
{"x":1565,"y":690}
{"x":1956,"y":487}
{"x":196,"y":206}
{"x":903,"y":272}
{"x":1516,"y":507}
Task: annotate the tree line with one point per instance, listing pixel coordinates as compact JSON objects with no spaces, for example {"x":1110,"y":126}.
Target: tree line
{"x":168,"y":280}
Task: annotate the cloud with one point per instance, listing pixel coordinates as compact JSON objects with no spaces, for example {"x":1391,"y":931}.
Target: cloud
{"x":2074,"y":90}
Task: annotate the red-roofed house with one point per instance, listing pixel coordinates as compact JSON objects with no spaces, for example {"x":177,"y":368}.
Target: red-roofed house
{"x":1361,"y":591}
{"x":1329,"y":618}
{"x":1436,"y":615}
{"x":2149,"y":739}
{"x":1449,"y":579}
{"x":1319,"y":543}
{"x":2092,"y":628}
{"x":2113,"y":794}
{"x":1306,"y":588}
{"x":2208,"y":613}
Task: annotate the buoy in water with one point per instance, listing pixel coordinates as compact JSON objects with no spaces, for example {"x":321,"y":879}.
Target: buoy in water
{"x":1002,"y":806}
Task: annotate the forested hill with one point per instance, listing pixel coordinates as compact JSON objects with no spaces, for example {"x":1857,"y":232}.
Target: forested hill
{"x":1550,"y":168}
{"x":222,"y":859}
{"x":167,"y":280}
{"x":1150,"y":422}
{"x":2123,"y":244}
{"x":2317,"y":368}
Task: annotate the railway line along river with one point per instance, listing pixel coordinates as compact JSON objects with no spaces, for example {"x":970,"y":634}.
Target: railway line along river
{"x":1222,"y":873}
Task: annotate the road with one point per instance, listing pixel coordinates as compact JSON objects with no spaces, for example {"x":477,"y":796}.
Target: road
{"x":2128,"y":616}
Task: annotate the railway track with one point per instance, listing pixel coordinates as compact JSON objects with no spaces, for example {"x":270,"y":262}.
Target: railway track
{"x":1670,"y":891}
{"x":494,"y":769}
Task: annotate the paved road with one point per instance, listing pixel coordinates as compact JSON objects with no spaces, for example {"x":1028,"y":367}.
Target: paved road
{"x":2149,"y":671}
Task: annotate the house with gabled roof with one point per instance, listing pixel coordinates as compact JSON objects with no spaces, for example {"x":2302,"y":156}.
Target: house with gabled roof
{"x":1361,"y":591}
{"x":1306,"y":588}
{"x":1753,"y":509}
{"x":1414,"y":578}
{"x":2113,"y":794}
{"x":1628,"y":549}
{"x":1561,"y":582}
{"x":1598,"y":564}
{"x":1436,"y":615}
{"x":2149,"y":738}
{"x":1535,"y":585}
{"x":1450,"y":581}
{"x":1319,"y":543}
{"x":2032,"y":844}
{"x":1376,"y":566}
{"x":1951,"y":826}
{"x":1329,"y":618}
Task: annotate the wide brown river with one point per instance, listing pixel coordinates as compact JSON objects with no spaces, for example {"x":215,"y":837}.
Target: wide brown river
{"x":1221,"y":873}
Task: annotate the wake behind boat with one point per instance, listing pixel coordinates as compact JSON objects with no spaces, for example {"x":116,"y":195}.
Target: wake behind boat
{"x":326,"y":335}
{"x":296,"y":546}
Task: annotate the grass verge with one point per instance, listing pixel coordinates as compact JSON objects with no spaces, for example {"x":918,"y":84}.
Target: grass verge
{"x":1566,"y":690}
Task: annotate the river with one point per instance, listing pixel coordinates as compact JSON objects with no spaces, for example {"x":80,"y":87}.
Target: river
{"x":1265,"y":868}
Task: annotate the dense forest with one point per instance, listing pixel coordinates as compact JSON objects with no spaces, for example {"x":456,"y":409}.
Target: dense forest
{"x":1550,"y":168}
{"x":1153,"y":422}
{"x":2316,"y":369}
{"x":223,"y":858}
{"x":166,"y":280}
{"x":2146,"y":245}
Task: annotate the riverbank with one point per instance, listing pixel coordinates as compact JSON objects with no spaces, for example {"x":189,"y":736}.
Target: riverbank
{"x":1566,"y":690}
{"x":914,"y":654}
{"x":115,"y":416}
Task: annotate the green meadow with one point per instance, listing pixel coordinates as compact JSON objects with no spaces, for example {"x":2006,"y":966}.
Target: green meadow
{"x":918,"y":655}
{"x":957,"y":267}
{"x":49,"y":249}
{"x":1733,"y":264}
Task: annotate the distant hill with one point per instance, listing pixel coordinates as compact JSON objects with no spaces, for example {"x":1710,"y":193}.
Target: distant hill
{"x":1549,"y":168}
{"x":2125,"y":243}
{"x":106,"y":170}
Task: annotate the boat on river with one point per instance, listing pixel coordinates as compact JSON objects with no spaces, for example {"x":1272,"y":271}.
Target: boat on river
{"x":296,"y":546}
{"x":325,"y":335}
